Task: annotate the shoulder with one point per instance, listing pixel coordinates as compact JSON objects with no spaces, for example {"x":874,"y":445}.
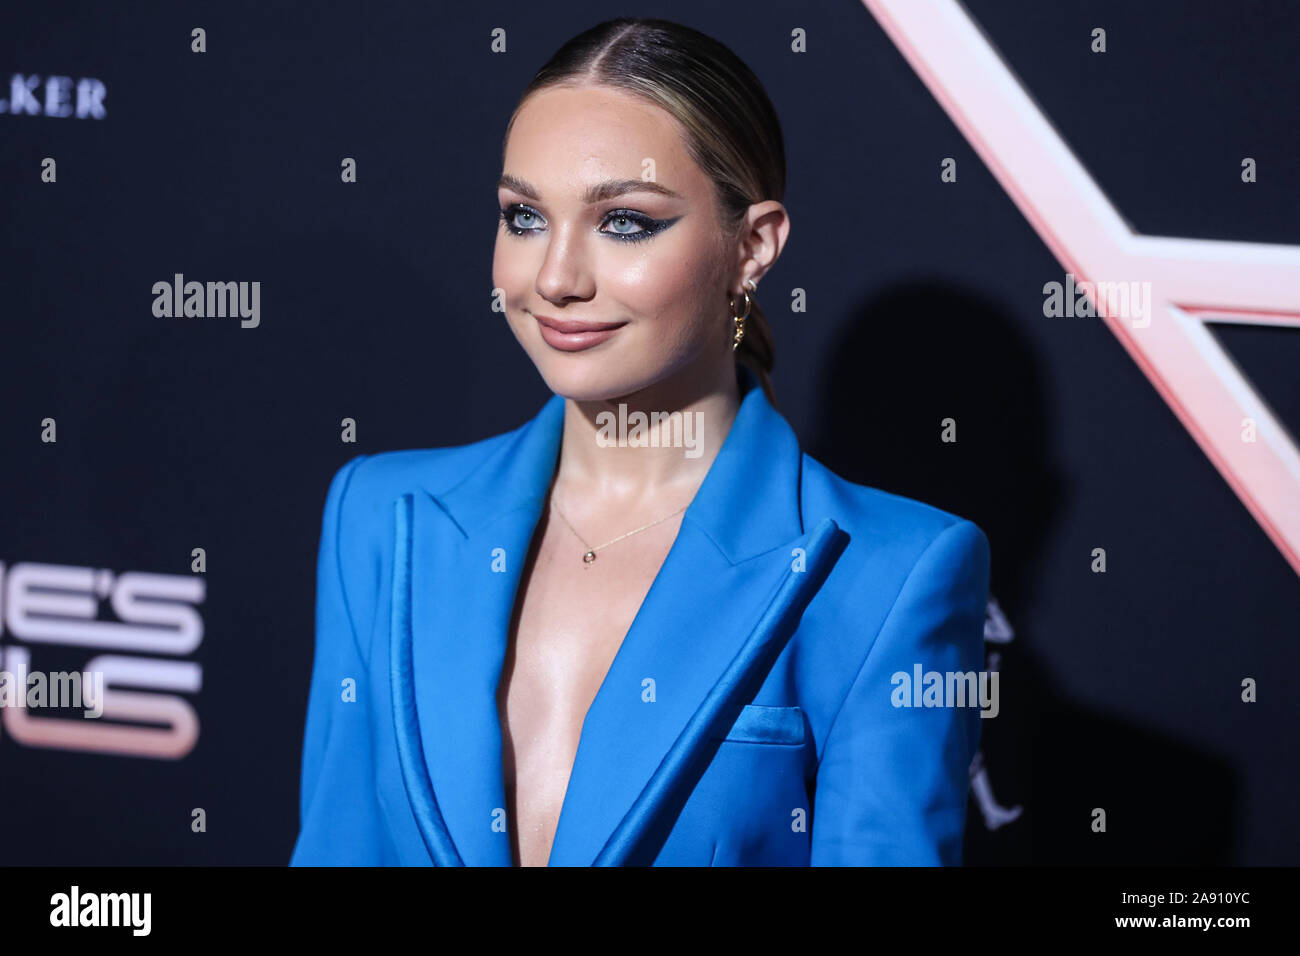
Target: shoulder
{"x":911,"y":585}
{"x":371,"y":481}
{"x":361,"y":492}
{"x":356,"y":526}
{"x":906,"y":562}
{"x":895,"y":528}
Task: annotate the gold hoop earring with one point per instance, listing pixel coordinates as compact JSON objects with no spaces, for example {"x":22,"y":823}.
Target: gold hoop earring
{"x":739,"y":320}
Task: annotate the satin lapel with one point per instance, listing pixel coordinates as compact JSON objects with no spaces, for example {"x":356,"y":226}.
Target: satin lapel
{"x":462,"y":590}
{"x":406,"y":716}
{"x":460,"y":623}
{"x":706,"y":636}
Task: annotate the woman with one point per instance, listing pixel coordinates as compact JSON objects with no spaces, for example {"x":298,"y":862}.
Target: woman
{"x":589,"y":642}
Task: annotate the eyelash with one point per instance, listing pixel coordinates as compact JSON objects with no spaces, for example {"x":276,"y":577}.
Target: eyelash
{"x":649,"y":227}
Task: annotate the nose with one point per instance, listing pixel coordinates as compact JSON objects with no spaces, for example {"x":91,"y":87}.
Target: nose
{"x":565,"y":273}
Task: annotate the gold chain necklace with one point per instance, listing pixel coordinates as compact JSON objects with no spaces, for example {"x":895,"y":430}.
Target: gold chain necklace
{"x":589,"y":555}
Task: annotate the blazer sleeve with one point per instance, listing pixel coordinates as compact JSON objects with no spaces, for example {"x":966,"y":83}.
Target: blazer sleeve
{"x":893,"y":781}
{"x":340,"y":823}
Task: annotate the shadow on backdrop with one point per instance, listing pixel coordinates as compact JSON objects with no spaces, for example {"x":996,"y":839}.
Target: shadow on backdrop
{"x":927,"y":350}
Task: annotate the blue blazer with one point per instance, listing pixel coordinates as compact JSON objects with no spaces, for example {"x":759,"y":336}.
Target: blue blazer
{"x":750,"y":717}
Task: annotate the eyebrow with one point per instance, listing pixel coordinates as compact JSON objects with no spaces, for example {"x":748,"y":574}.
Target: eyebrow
{"x":598,"y":192}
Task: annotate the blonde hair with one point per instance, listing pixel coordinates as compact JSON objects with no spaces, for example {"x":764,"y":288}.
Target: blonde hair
{"x":732,"y":130}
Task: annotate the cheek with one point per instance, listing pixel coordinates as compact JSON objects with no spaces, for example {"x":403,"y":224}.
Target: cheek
{"x":505,"y":266}
{"x":514,"y":273}
{"x":674,"y":287}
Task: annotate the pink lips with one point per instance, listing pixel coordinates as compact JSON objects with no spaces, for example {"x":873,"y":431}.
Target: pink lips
{"x":569,"y":335}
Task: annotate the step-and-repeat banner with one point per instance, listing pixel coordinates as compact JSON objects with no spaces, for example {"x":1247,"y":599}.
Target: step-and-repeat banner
{"x":1044,"y":272}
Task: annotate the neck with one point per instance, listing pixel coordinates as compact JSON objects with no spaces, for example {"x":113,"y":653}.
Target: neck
{"x":613,"y":458}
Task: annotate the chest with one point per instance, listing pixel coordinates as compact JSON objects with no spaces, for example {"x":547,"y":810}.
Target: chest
{"x":569,"y":621}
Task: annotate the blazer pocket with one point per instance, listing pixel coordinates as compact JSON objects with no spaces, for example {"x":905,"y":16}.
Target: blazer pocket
{"x":762,"y":724}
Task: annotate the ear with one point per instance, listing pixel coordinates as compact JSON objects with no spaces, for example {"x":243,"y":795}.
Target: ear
{"x":763,"y":234}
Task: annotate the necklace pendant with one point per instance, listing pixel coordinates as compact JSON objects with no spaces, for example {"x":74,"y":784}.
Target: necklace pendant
{"x":589,"y":557}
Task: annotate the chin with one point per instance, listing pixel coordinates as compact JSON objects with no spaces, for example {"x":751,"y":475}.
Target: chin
{"x":588,"y":377}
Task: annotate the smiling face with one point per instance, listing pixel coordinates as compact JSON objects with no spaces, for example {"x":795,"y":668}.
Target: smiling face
{"x":584,"y":241}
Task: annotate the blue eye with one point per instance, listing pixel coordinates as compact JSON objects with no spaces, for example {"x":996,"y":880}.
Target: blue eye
{"x":516,"y":209}
{"x":645,"y":226}
{"x":629,"y":226}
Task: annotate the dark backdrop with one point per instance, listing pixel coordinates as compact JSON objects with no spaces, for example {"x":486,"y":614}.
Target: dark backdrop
{"x":1119,"y":690}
